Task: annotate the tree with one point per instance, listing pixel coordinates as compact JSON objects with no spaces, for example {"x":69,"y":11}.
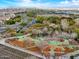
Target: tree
{"x":13,"y":20}
{"x":12,"y":32}
{"x":17,"y":18}
{"x":29,"y":19}
{"x":54,"y":19}
{"x":76,"y":30}
{"x":23,"y":24}
{"x":71,"y":21}
{"x":31,"y":14}
{"x":39,"y":19}
{"x":10,"y":22}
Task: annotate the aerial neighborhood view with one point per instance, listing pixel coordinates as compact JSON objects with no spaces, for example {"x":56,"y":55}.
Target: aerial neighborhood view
{"x":39,"y":29}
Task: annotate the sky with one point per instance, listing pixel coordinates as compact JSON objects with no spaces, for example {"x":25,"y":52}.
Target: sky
{"x":40,"y":3}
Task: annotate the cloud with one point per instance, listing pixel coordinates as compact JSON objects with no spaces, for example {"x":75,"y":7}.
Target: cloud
{"x":32,"y":3}
{"x":64,"y":3}
{"x":71,"y":2}
{"x":68,"y":4}
{"x":26,"y":0}
{"x":42,"y":3}
{"x":76,"y":2}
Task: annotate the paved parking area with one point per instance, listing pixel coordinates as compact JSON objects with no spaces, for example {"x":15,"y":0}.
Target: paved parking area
{"x":7,"y":54}
{"x":10,"y":53}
